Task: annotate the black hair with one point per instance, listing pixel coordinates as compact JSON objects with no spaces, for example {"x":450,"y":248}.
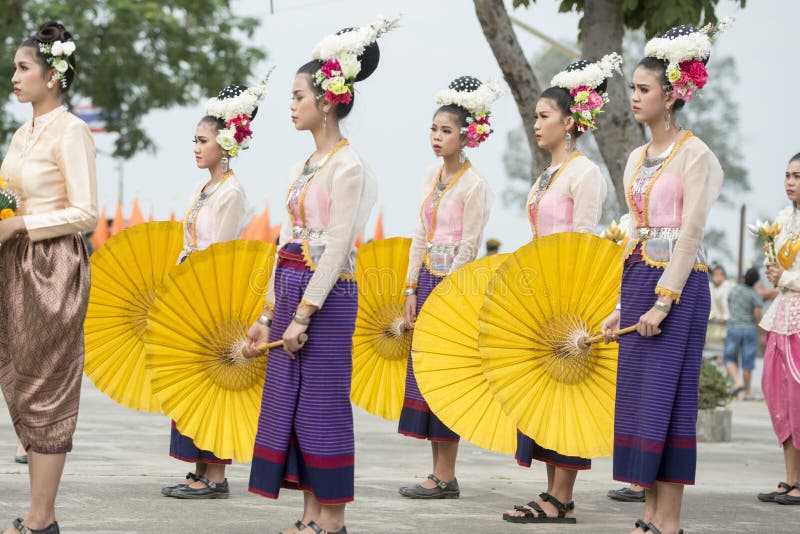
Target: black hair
{"x":369,"y":59}
{"x":459,"y":114}
{"x":215,"y":122}
{"x":48,"y":33}
{"x":751,"y":276}
{"x":796,"y":157}
{"x":660,"y":65}
{"x":720,"y":267}
{"x":563,"y":101}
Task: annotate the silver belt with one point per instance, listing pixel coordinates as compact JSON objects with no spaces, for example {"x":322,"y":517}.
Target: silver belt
{"x":298,"y":232}
{"x":645,"y":232}
{"x":441,"y":248}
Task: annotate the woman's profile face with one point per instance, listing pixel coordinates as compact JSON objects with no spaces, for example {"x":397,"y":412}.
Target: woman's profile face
{"x":792,"y":181}
{"x":28,"y":81}
{"x":550,"y":125}
{"x":306,"y":113}
{"x":207,"y":152}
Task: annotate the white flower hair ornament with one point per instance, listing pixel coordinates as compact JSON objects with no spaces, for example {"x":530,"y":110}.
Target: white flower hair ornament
{"x":57,"y":55}
{"x":237,"y":106}
{"x":586,"y":83}
{"x":477,"y":98}
{"x":339,"y":54}
{"x":686,"y":50}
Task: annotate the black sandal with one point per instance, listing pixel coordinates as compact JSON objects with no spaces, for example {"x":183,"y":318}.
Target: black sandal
{"x":652,"y":528}
{"x":299,"y":525}
{"x":788,"y":499}
{"x":770,"y":496}
{"x":642,"y":525}
{"x":319,"y":530}
{"x":22,"y":529}
{"x":541,"y":516}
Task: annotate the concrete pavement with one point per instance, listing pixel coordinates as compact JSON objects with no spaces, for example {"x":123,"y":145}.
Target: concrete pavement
{"x":120,"y":461}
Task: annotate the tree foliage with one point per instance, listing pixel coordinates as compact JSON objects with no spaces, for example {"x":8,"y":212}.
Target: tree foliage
{"x":654,"y":16}
{"x":137,"y":56}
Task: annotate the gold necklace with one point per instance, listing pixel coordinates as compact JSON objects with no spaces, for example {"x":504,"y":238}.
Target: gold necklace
{"x":540,"y":194}
{"x":194,"y":210}
{"x":299,"y":189}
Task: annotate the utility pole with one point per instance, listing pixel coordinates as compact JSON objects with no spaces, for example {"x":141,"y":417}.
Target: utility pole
{"x":740,"y":276}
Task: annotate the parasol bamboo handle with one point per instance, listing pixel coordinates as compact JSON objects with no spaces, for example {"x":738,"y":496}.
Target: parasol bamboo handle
{"x":601,"y":337}
{"x":274,"y":345}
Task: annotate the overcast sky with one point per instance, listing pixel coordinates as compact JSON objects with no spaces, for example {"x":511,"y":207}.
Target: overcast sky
{"x":437,"y":42}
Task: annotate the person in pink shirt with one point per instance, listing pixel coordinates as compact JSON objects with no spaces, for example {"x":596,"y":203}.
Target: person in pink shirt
{"x":567,"y":197}
{"x":780,"y":380}
{"x":217,"y":212}
{"x":455,"y":208}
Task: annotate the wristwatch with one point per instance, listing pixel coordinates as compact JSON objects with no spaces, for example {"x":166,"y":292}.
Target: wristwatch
{"x":266,"y":321}
{"x":409,"y":291}
{"x":299,"y":319}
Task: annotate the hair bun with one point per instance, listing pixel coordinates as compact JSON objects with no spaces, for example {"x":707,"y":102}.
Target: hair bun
{"x":52,"y":31}
{"x":465,"y":84}
{"x":582,"y":64}
{"x":369,"y":58}
{"x":235,"y":90}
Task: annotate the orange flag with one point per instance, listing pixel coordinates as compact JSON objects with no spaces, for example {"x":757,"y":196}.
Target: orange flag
{"x":101,"y":231}
{"x":379,"y":227}
{"x":118,"y":225}
{"x":359,"y":240}
{"x":136,"y":215}
{"x":172,"y":216}
{"x":276,"y":232}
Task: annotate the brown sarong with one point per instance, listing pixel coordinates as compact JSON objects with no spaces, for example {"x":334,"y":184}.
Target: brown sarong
{"x":44,"y":292}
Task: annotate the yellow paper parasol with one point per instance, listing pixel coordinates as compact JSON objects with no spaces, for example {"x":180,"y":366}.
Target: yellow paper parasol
{"x":447,"y":362}
{"x":545,"y":297}
{"x":380,"y":343}
{"x":126,"y":272}
{"x":196,"y":330}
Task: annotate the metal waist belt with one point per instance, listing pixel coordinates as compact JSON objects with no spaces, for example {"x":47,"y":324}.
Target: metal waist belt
{"x":298,"y":232}
{"x":441,"y":248}
{"x":645,"y":232}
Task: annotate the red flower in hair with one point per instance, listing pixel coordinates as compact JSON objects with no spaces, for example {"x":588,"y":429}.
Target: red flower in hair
{"x":343,"y":98}
{"x":241,"y":126}
{"x":330,"y":66}
{"x":696,"y":71}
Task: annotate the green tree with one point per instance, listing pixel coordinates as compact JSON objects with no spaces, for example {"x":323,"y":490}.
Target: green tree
{"x":137,"y":56}
{"x":602,"y":27}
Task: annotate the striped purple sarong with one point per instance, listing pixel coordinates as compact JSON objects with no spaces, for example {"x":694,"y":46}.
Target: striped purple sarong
{"x":416,"y":418}
{"x":305,"y":429}
{"x":528,"y":451}
{"x":657,"y":381}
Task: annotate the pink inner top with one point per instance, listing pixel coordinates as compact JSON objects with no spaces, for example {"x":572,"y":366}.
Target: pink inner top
{"x":554,"y":214}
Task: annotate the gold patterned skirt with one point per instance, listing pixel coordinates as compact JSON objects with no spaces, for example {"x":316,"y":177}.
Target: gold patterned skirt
{"x":44,"y":292}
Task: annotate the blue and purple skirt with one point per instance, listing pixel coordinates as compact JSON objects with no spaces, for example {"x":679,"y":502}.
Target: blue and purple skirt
{"x":183,"y":448}
{"x":528,"y":451}
{"x":416,"y":418}
{"x":305,"y":429}
{"x":657,"y":381}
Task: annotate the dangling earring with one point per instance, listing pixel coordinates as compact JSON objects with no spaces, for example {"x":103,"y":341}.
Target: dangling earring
{"x":567,"y":140}
{"x":462,"y":158}
{"x":324,"y":120}
{"x":225,"y":164}
{"x":667,"y":118}
{"x":50,"y":84}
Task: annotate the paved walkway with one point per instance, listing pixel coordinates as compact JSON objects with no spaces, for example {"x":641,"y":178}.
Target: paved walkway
{"x":113,"y":477}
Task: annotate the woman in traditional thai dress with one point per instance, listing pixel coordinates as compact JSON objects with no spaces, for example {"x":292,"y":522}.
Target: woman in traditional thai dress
{"x":780,"y":380}
{"x":44,"y":266}
{"x":217,"y":212}
{"x":671,"y":184}
{"x":567,"y":197}
{"x":305,"y":433}
{"x":454,"y":212}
